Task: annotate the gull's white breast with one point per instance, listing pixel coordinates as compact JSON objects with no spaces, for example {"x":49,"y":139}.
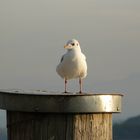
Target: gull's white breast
{"x":73,"y":65}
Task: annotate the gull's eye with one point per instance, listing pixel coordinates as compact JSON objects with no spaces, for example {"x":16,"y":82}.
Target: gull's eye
{"x":72,"y":44}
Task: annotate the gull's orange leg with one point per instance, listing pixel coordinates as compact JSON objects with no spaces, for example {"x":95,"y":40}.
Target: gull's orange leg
{"x":80,"y":84}
{"x":66,"y":85}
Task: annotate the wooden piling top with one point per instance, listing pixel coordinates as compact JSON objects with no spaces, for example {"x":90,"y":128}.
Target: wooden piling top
{"x":56,"y":102}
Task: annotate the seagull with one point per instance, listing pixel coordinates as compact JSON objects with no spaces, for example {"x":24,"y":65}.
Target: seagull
{"x":73,"y":64}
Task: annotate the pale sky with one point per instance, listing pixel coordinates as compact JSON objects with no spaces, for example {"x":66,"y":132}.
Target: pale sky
{"x":33,"y":33}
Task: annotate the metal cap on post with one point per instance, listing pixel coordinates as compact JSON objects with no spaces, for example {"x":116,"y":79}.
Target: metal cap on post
{"x":59,"y":116}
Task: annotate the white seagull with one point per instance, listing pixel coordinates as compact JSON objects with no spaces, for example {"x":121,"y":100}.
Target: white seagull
{"x":73,"y":64}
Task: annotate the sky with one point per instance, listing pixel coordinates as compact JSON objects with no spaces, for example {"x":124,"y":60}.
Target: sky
{"x":33,"y":33}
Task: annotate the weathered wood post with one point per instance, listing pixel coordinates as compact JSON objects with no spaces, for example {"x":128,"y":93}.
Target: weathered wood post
{"x":42,"y":115}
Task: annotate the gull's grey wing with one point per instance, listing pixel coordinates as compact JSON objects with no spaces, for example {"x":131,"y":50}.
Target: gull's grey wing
{"x":62,"y":58}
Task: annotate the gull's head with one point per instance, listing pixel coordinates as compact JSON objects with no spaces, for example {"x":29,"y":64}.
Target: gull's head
{"x":72,"y":44}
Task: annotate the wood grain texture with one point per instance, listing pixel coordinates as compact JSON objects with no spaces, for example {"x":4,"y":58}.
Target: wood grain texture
{"x":93,"y":127}
{"x":44,"y":126}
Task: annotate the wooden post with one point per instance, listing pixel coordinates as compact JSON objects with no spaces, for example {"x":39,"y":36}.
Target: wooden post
{"x":43,"y":116}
